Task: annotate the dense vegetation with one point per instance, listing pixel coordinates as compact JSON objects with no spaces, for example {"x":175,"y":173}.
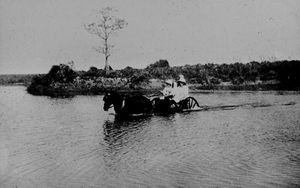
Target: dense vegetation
{"x":285,"y":74}
{"x":252,"y":76}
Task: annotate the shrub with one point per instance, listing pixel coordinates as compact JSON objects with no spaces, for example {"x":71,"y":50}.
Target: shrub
{"x":61,"y":73}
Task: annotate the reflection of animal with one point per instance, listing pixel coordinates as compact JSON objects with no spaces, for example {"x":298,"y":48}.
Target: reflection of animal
{"x":125,"y":105}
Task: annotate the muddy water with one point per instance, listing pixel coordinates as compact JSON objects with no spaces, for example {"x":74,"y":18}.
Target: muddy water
{"x":47,"y":142}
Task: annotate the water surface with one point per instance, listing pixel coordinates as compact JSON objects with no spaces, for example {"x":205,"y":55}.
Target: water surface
{"x":47,"y":142}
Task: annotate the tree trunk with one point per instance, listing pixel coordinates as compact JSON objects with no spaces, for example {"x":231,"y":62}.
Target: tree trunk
{"x":106,"y":68}
{"x":106,"y":55}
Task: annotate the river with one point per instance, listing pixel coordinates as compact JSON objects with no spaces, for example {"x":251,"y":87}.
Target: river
{"x":72,"y":142}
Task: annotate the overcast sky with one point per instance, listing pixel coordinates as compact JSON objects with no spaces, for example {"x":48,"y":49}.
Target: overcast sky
{"x":36,"y":34}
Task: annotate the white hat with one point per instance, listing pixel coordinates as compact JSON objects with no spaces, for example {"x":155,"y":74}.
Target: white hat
{"x":170,"y":82}
{"x":181,"y":79}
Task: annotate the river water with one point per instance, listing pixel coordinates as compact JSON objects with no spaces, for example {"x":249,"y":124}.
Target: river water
{"x":47,"y":142}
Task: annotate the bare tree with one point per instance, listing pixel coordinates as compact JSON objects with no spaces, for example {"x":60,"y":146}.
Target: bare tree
{"x":105,"y":25}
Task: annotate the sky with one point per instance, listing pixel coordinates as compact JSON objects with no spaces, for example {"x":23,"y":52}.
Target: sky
{"x":36,"y":34}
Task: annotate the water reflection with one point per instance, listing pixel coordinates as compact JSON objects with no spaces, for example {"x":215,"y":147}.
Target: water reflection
{"x":116,"y":129}
{"x":119,"y":136}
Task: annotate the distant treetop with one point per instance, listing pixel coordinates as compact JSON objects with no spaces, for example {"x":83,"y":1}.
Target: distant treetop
{"x":159,"y":64}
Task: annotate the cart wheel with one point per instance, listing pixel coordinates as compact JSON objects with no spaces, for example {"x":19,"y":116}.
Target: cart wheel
{"x":191,"y":103}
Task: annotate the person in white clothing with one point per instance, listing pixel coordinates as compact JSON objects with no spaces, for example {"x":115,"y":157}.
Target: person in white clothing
{"x":168,"y":90}
{"x":166,"y":103}
{"x":180,"y":92}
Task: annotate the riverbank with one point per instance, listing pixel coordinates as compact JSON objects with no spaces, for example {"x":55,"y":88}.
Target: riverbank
{"x":98,"y":86}
{"x":16,"y":79}
{"x":63,"y":80}
{"x":65,"y":93}
{"x":244,"y":87}
{"x":69,"y":92}
{"x":150,"y":90}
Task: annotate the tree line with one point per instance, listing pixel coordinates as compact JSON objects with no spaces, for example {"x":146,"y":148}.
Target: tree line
{"x":284,"y":72}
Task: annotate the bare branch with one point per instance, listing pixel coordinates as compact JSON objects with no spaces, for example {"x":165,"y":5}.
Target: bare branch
{"x":106,"y":25}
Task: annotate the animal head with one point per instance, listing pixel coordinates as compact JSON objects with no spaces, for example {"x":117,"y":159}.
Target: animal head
{"x":108,"y":101}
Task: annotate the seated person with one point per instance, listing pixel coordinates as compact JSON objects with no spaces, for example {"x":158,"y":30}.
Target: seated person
{"x":168,"y":90}
{"x":165,"y":103}
{"x":180,"y":92}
